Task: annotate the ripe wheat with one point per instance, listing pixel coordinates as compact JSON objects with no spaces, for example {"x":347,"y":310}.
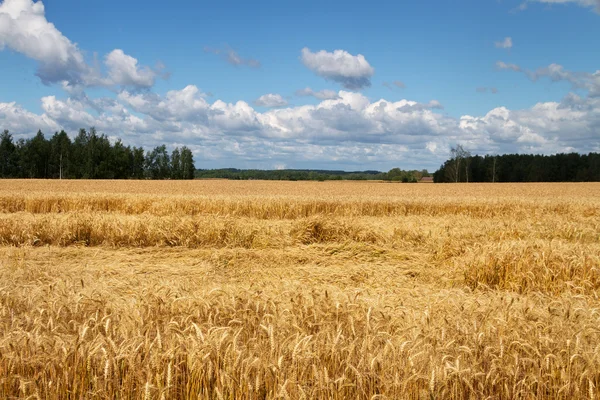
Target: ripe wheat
{"x":253,"y":290}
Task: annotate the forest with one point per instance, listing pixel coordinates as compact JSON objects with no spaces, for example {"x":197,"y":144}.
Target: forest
{"x":393,"y":175}
{"x":571,"y":167}
{"x":89,"y":156}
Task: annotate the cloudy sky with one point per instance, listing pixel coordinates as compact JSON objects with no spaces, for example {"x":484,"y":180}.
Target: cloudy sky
{"x":312,"y":84}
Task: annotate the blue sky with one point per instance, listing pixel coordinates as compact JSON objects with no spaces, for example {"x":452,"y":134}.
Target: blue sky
{"x":391,"y":84}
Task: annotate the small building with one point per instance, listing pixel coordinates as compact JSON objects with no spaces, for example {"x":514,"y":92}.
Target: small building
{"x":426,"y":179}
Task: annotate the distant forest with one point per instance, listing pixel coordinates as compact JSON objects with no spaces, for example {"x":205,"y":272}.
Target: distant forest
{"x":572,"y":167}
{"x":394,"y":175}
{"x":89,"y":156}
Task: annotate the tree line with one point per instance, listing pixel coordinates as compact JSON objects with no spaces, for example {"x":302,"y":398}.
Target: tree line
{"x":89,"y":156}
{"x":93,"y":156}
{"x":395,"y":175}
{"x":571,"y":167}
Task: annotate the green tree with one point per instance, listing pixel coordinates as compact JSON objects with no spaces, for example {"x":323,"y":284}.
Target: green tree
{"x":458,"y":156}
{"x":60,"y":155}
{"x":36,"y":154}
{"x":138,"y":163}
{"x":122,"y":160}
{"x":8,"y":156}
{"x":99,"y":163}
{"x":79,"y":155}
{"x":176,"y":170}
{"x":187,"y":163}
{"x":158,"y":164}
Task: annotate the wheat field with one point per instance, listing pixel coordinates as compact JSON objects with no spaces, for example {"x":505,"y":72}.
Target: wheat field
{"x":299,"y":290}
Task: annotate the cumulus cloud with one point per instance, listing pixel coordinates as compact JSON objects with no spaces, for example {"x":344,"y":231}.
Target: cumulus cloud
{"x":16,"y":119}
{"x":394,"y":85}
{"x":188,"y":104}
{"x":414,"y":106}
{"x":110,"y":117}
{"x":270,"y":100}
{"x":124,"y":70}
{"x":504,"y":44}
{"x":232,"y":56}
{"x":432,"y":147}
{"x":67,"y":113}
{"x":546,"y":127}
{"x":352,"y":72}
{"x":25,"y":29}
{"x":321,"y":94}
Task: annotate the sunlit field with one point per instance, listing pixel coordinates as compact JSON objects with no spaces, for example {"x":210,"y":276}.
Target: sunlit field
{"x":300,"y":290}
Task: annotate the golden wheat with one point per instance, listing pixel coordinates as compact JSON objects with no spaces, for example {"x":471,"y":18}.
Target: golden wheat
{"x":253,"y":290}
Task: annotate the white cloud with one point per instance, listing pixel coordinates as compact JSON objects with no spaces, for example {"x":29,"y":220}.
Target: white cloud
{"x":505,"y":44}
{"x":498,"y":126}
{"x":270,"y":100}
{"x":353,"y":72}
{"x":20,"y":121}
{"x":74,"y":114}
{"x":431,"y":146}
{"x":414,"y":106}
{"x":321,"y":94}
{"x":187,"y":104}
{"x":67,"y":113}
{"x":546,"y":127}
{"x":124,"y":70}
{"x":25,"y":29}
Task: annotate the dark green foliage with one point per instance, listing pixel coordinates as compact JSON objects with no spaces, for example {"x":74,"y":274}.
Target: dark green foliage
{"x":137,"y":165}
{"x":34,"y":156}
{"x":394,"y":175}
{"x":9,"y":161}
{"x":176,"y":170}
{"x":187,"y":163}
{"x":60,"y":155}
{"x":122,"y":160}
{"x":158,"y":164}
{"x":572,"y":167}
{"x":88,"y":156}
